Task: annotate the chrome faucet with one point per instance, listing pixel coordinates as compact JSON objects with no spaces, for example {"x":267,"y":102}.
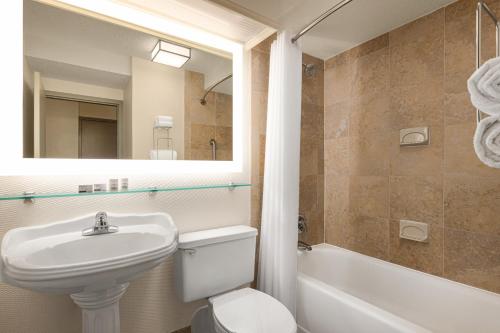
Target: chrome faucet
{"x":101,"y":226}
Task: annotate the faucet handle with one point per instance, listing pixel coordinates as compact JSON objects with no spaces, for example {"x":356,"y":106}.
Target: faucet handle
{"x":101,"y":218}
{"x":101,"y":226}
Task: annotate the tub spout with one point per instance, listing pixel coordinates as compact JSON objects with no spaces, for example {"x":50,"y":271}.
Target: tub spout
{"x":303,"y":246}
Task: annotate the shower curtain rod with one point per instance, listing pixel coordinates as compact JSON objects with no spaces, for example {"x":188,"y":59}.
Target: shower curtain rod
{"x":203,"y":100}
{"x":320,"y":18}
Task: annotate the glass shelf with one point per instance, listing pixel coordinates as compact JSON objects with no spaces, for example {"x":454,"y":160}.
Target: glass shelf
{"x":31,"y":196}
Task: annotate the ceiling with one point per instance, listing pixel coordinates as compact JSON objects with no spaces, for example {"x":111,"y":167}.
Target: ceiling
{"x":357,"y":22}
{"x":68,"y":46}
{"x":80,"y":74}
{"x":245,"y":21}
{"x":205,"y":15}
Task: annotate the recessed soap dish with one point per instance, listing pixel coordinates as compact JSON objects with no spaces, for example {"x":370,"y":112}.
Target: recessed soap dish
{"x":415,"y":231}
{"x":416,"y":136}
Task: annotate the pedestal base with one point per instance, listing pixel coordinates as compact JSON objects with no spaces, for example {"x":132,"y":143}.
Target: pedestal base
{"x":100,"y":310}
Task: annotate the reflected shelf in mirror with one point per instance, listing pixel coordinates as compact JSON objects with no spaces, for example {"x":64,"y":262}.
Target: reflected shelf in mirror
{"x":29,"y":196}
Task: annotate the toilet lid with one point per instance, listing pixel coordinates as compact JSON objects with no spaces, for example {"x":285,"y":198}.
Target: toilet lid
{"x":251,"y":311}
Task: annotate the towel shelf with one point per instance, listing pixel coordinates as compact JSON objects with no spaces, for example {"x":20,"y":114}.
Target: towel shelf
{"x":481,"y":6}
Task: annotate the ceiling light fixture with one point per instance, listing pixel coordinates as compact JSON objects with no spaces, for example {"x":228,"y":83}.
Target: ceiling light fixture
{"x":170,"y":54}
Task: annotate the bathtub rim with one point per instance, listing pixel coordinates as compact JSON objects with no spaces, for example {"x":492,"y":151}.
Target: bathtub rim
{"x":359,"y":304}
{"x":392,"y":265}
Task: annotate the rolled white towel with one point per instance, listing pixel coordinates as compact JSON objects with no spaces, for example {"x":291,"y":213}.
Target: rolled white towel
{"x":164,"y":118}
{"x":484,"y":87}
{"x":487,"y":141}
{"x":164,"y":121}
{"x":162,"y":154}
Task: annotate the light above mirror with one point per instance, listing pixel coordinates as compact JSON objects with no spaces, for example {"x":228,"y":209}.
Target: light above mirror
{"x":170,"y":54}
{"x":160,"y":27}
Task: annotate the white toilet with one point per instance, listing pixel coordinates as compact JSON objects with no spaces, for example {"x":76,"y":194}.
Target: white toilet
{"x":211,"y":264}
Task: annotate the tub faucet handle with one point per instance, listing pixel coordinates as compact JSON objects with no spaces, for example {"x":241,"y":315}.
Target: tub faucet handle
{"x":302,"y":226}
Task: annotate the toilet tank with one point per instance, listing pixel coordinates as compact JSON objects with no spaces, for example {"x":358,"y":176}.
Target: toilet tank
{"x":211,"y":262}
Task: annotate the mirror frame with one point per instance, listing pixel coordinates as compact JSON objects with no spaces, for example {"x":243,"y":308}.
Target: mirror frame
{"x":11,"y":82}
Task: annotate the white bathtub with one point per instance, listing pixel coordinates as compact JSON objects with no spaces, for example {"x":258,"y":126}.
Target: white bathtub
{"x":340,"y":291}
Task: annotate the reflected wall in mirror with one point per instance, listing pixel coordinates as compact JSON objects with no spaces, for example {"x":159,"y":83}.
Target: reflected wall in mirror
{"x":93,"y":89}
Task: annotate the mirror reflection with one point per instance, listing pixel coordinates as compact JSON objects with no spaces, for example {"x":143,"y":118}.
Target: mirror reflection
{"x":97,"y":90}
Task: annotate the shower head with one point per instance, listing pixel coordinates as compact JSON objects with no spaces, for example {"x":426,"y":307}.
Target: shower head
{"x":309,"y":69}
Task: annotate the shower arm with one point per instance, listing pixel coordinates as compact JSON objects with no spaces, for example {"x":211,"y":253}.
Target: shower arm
{"x":203,"y":100}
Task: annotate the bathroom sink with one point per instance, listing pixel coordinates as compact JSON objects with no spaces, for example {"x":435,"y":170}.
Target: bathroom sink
{"x":58,"y":258}
{"x":94,"y":269}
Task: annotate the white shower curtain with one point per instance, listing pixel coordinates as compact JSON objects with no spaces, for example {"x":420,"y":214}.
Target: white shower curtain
{"x":280,"y":206}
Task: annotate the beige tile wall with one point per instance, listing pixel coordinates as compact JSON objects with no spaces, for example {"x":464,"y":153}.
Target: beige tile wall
{"x":311,"y":167}
{"x":413,"y":76}
{"x":205,"y":122}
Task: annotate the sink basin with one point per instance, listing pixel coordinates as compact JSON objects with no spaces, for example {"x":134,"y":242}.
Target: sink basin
{"x":96,"y":269}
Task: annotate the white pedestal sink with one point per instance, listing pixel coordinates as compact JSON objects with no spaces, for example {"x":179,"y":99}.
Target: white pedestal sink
{"x":94,"y":270}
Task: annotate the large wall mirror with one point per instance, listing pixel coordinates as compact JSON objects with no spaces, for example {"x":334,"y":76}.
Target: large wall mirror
{"x":96,"y":90}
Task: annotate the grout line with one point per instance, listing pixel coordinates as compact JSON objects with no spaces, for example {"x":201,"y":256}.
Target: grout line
{"x":324,"y":152}
{"x":476,"y":233}
{"x":444,"y":145}
{"x":350,"y":67}
{"x":389,"y":85}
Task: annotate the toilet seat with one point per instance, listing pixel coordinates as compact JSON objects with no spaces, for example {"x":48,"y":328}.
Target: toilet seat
{"x":251,"y":311}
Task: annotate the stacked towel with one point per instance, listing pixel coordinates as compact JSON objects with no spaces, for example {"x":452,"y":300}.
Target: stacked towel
{"x":164,"y":122}
{"x":163,"y":154}
{"x":487,"y":141}
{"x":484,"y":87}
